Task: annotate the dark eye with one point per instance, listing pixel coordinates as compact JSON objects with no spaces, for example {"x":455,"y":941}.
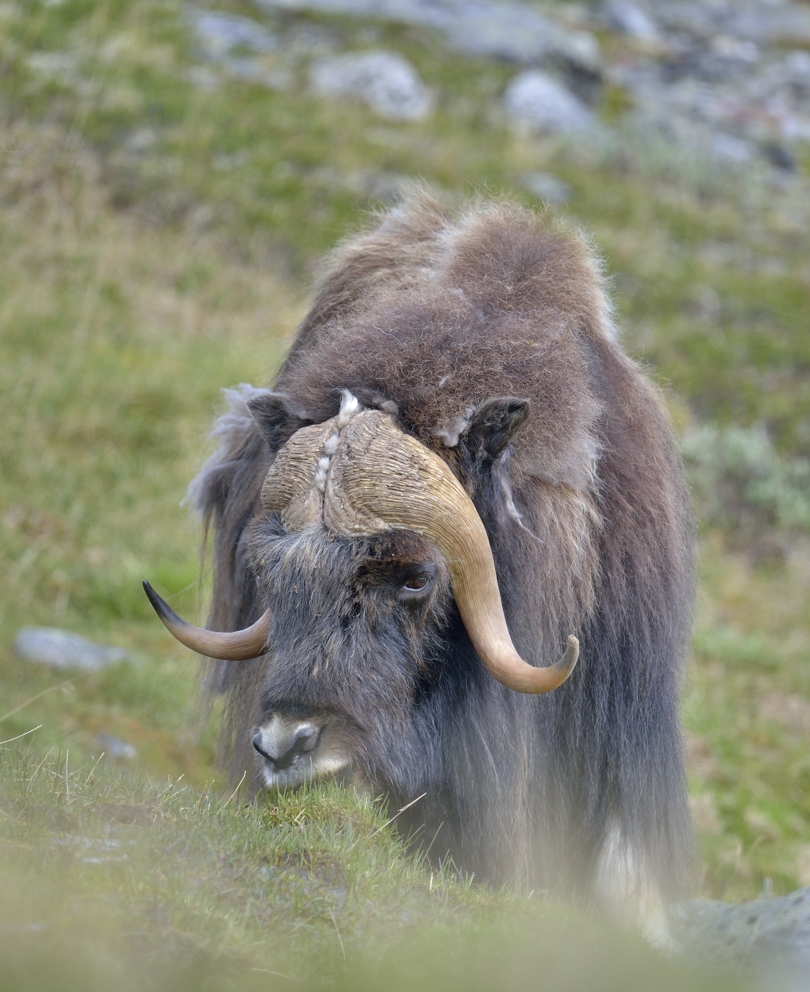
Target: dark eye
{"x":417,"y":586}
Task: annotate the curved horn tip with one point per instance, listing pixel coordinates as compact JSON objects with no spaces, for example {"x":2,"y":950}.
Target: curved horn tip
{"x":161,"y":607}
{"x":237,"y":645}
{"x":566,"y":664}
{"x":560,"y":671}
{"x":571,"y":656}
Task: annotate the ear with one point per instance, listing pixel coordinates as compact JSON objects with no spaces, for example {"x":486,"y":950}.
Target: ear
{"x":275,"y":417}
{"x":492,"y":426}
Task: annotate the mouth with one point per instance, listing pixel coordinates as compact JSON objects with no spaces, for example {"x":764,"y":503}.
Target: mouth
{"x":303,"y":771}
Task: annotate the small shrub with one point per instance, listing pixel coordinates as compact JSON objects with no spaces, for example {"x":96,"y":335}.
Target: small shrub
{"x":748,"y":489}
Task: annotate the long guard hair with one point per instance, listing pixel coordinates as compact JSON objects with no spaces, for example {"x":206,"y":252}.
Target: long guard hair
{"x":427,"y":317}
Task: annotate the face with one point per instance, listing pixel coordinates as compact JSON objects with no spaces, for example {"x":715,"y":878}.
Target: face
{"x":356,"y":627}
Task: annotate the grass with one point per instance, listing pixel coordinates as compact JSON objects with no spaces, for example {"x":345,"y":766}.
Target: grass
{"x":157,"y":242}
{"x":110,"y":393}
{"x":747,"y":715}
{"x":110,"y":880}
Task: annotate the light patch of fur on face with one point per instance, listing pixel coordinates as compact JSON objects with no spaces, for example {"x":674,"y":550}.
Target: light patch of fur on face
{"x":276,"y":736}
{"x":624,"y":889}
{"x":291,"y":778}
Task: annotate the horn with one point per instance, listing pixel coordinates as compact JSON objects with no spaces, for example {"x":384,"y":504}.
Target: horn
{"x":382,"y":478}
{"x":237,"y":645}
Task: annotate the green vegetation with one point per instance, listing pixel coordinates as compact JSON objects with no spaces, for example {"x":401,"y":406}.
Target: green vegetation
{"x":109,"y":881}
{"x":233,"y":885}
{"x":157,"y":240}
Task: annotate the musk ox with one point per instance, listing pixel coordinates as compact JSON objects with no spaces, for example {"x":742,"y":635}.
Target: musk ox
{"x":458,"y":468}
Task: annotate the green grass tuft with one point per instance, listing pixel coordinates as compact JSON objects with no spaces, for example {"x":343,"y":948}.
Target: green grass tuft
{"x":110,"y":879}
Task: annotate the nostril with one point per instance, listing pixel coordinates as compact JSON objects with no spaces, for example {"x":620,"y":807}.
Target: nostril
{"x":306,"y":738}
{"x":304,"y":742}
{"x":257,"y":743}
{"x":282,"y":749}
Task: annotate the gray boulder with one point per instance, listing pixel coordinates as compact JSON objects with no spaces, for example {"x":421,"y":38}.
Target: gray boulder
{"x":797,"y":69}
{"x":236,"y":44}
{"x":539,"y":102}
{"x":732,"y":149}
{"x":766,"y":24}
{"x":546,"y":187}
{"x":62,"y":649}
{"x":769,"y":937}
{"x":506,"y":30}
{"x":386,"y":81}
{"x":219,"y":34}
{"x":115,"y":748}
{"x":629,"y":18}
{"x":787,"y":24}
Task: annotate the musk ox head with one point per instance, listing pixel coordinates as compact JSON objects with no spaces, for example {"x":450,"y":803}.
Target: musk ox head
{"x":365,"y":541}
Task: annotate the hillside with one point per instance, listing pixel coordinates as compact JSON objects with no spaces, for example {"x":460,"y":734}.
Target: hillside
{"x":167,"y":185}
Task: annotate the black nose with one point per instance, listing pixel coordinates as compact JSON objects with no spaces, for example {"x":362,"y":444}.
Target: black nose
{"x":257,"y":743}
{"x":282,"y":753}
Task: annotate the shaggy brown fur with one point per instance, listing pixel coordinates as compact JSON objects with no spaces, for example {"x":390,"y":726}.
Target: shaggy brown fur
{"x":428,"y":317}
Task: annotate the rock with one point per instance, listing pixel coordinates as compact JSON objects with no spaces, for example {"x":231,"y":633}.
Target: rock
{"x":115,"y":748}
{"x":795,"y":128}
{"x":369,"y":184}
{"x":63,"y":649}
{"x":779,"y":156}
{"x":766,"y":25}
{"x":773,"y":25}
{"x":628,"y":18}
{"x":219,"y":34}
{"x":797,"y":70}
{"x":770,"y":937}
{"x":141,"y":140}
{"x":698,"y":19}
{"x":58,"y":65}
{"x":505,"y":30}
{"x":735,"y":49}
{"x":546,"y":187}
{"x":386,"y":81}
{"x":732,"y":149}
{"x":713,"y":75}
{"x":718,"y":83}
{"x":541,"y":103}
{"x":798,"y":63}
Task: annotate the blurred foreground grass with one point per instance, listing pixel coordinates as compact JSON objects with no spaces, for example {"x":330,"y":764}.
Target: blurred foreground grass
{"x":112,"y":882}
{"x":156,"y":240}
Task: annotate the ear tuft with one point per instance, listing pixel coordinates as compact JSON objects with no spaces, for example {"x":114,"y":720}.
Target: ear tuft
{"x":275,"y":417}
{"x":492,"y":426}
